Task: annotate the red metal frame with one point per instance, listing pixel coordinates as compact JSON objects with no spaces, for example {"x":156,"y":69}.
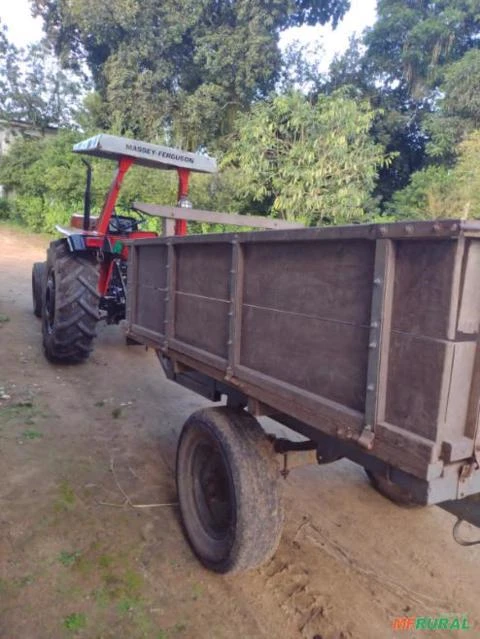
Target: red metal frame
{"x":96,"y":238}
{"x":183,"y":179}
{"x":123,"y":165}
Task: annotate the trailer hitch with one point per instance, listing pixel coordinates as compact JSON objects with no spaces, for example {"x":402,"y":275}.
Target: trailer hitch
{"x":458,"y":538}
{"x":465,"y":510}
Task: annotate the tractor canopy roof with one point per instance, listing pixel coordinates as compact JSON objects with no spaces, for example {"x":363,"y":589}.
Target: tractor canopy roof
{"x":154,"y":156}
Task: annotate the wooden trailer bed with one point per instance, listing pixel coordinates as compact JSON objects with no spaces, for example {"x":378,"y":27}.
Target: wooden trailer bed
{"x":363,"y":338}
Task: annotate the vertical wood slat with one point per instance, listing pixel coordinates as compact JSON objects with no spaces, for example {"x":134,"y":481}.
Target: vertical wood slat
{"x":132,"y":286}
{"x":380,"y":327}
{"x":168,"y":227}
{"x":235,"y":309}
{"x":170,"y":294}
{"x":456,"y":288}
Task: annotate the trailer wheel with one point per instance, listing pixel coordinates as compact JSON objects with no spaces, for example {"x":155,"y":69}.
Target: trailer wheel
{"x":38,"y":276}
{"x":70,"y":304}
{"x":227,"y":483}
{"x":399,"y":495}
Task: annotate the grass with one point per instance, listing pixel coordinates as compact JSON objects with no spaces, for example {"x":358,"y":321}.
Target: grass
{"x":4,"y":318}
{"x":31,"y":434}
{"x":18,"y":410}
{"x":66,"y":497}
{"x":69,"y":558}
{"x":116,"y":413}
{"x":197,"y":591}
{"x":75,"y":621}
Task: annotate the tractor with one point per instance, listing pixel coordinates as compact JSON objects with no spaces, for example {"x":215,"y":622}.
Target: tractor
{"x":84,"y":278}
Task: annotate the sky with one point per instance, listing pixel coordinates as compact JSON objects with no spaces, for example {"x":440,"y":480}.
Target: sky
{"x":23,"y":29}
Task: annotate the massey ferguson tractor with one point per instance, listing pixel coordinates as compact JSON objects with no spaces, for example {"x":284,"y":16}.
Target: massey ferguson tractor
{"x":84,"y":277}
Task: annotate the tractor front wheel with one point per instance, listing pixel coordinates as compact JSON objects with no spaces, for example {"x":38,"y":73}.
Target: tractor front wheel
{"x":70,"y":304}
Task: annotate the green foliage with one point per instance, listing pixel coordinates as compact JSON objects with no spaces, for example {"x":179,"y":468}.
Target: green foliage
{"x":411,"y":64}
{"x":425,"y":196}
{"x":31,"y":434}
{"x":412,"y":41}
{"x":69,"y":559}
{"x":34,"y":88}
{"x":312,"y":162}
{"x":462,"y":88}
{"x":75,"y":622}
{"x":185,"y":68}
{"x":440,"y":192}
{"x":5,"y":209}
{"x":47,"y":182}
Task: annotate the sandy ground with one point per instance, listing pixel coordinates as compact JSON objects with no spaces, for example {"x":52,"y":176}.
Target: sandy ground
{"x":348,"y":563}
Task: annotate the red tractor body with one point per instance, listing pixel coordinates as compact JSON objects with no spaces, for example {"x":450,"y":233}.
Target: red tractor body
{"x":84,"y":277}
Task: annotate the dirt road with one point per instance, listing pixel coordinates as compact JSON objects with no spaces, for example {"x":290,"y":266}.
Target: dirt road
{"x":74,"y":561}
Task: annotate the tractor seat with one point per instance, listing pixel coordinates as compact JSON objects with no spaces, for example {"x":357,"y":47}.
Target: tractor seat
{"x":76,"y":221}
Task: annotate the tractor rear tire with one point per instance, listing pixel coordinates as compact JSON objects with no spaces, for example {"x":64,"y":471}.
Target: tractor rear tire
{"x":228,"y":492}
{"x":39,"y":271}
{"x":70,"y":304}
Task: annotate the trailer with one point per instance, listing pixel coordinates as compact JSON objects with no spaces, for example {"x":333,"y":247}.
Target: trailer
{"x":364,"y":339}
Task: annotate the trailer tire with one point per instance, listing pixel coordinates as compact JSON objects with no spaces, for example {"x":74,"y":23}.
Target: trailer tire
{"x":39,"y":270}
{"x":398,"y":494}
{"x":228,"y":490}
{"x":70,"y":304}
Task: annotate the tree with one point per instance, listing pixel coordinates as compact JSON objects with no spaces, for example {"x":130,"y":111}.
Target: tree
{"x":181,"y":69}
{"x":413,"y":40}
{"x":442,"y":192}
{"x":33,"y":87}
{"x":313,"y":162}
{"x":408,"y":61}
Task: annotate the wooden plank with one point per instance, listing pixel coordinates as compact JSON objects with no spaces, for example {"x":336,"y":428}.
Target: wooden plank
{"x":151,"y":262}
{"x":428,"y":231}
{"x":132,"y":286}
{"x":455,"y":288}
{"x":469,"y":313}
{"x":168,"y":227}
{"x":145,"y":336}
{"x":204,"y":269}
{"x":327,"y":280}
{"x":472,"y":424}
{"x":202,"y":322}
{"x":170,"y":300}
{"x":197,"y":356}
{"x":319,"y":411}
{"x":199,"y":215}
{"x":235,"y":311}
{"x":322,"y":357}
{"x":151,"y":308}
{"x":380,"y":326}
{"x":407,"y":451}
{"x":414,"y":383}
{"x":458,"y":378}
{"x":424,"y":274}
